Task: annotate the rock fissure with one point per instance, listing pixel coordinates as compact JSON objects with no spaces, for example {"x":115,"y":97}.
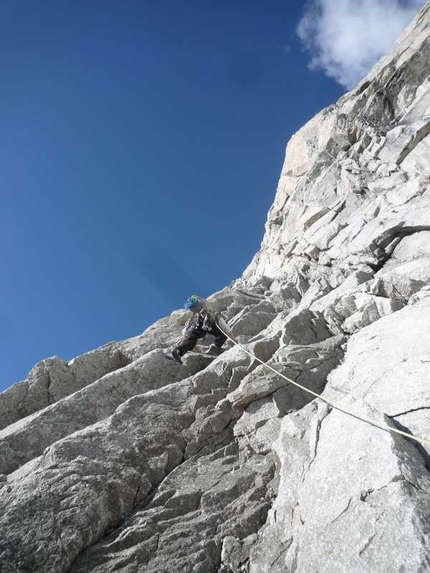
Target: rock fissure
{"x":398,"y":414}
{"x":366,"y":544}
{"x":365,"y":495}
{"x":50,"y":399}
{"x":348,"y":505}
{"x":282,"y":554}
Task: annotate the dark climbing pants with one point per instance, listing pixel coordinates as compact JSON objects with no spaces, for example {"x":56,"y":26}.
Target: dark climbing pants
{"x":191,"y":338}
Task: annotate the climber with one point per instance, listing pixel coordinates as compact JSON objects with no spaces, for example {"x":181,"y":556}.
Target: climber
{"x":203,"y":321}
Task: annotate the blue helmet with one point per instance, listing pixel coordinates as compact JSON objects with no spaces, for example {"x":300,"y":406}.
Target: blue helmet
{"x":192,"y":301}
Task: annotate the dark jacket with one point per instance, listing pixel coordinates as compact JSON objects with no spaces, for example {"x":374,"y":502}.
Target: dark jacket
{"x":200,"y":323}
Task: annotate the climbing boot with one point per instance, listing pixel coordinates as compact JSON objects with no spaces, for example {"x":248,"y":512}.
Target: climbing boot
{"x":176,"y":355}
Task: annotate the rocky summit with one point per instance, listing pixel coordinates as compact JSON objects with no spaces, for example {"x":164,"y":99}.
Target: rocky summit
{"x":121,"y":460}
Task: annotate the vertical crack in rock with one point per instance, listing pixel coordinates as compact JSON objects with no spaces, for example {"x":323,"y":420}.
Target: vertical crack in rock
{"x":326,"y":409}
{"x":366,"y":544}
{"x":49,"y":397}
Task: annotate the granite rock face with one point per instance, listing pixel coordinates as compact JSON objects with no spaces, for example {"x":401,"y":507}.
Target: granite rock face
{"x":121,"y":460}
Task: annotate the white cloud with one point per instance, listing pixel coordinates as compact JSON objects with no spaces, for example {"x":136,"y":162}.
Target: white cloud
{"x":346,"y":37}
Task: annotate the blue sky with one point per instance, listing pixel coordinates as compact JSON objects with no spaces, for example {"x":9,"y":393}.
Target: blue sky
{"x":140,"y":149}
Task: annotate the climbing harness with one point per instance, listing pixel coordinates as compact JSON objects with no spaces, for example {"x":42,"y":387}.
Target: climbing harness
{"x":336,"y":405}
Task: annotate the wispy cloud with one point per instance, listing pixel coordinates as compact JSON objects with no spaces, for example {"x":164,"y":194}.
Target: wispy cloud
{"x":346,"y":37}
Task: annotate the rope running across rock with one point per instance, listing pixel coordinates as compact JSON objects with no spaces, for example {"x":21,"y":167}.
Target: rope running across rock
{"x":336,"y":405}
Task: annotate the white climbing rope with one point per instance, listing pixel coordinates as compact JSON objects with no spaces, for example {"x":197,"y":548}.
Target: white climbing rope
{"x":332,"y":403}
